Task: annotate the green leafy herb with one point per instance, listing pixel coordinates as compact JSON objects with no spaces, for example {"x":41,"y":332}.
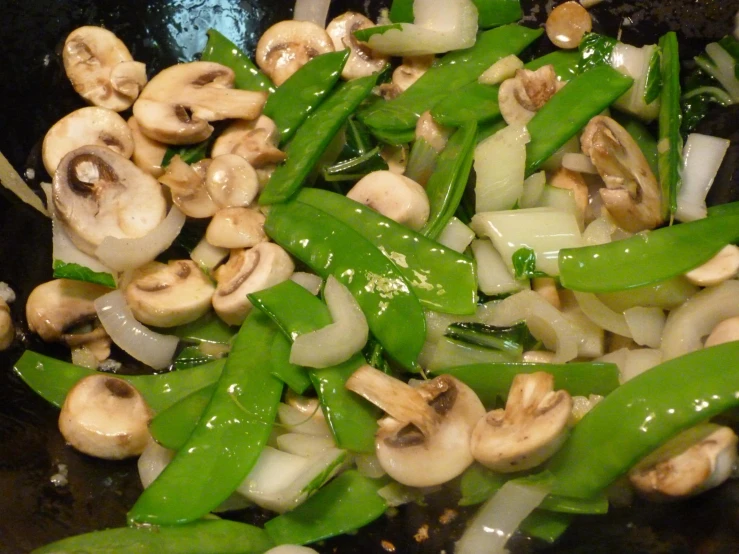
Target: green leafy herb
{"x":524,"y":264}
{"x":595,"y":50}
{"x":190,"y":154}
{"x":76,"y":272}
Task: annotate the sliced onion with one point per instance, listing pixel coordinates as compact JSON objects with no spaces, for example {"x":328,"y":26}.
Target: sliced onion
{"x":315,"y":11}
{"x":598,"y":231}
{"x":499,"y":517}
{"x":638,"y":361}
{"x":10,"y":179}
{"x":456,"y":235}
{"x":304,"y":445}
{"x":122,"y":254}
{"x":369,"y":466}
{"x":500,"y":166}
{"x":602,"y":315}
{"x":646,"y":325}
{"x":493,"y":275}
{"x":208,"y":256}
{"x":297,"y":421}
{"x":578,"y":162}
{"x":152,"y":462}
{"x":533,"y":187}
{"x":153,"y":349}
{"x":702,"y":157}
{"x":337,"y":341}
{"x":309,"y":281}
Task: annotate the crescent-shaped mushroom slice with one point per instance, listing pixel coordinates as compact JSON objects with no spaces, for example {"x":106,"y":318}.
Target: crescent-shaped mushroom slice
{"x":362,"y":60}
{"x":98,"y":193}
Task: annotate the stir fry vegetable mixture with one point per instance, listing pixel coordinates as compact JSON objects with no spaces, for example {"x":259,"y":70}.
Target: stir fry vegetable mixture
{"x":429,"y":259}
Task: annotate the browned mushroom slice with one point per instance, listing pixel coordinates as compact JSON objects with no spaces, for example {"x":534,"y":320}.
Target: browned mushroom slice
{"x":526,"y":93}
{"x":147,"y":153}
{"x":187,"y":184}
{"x":362,"y":60}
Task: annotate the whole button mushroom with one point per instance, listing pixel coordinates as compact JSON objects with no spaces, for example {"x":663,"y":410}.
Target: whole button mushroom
{"x":167,"y":295}
{"x":85,"y":127}
{"x":425,"y":439}
{"x":231,"y":181}
{"x":105,"y":417}
{"x":101,"y":69}
{"x":568,"y":24}
{"x":236,"y":228}
{"x":98,"y":193}
{"x":245,"y":272}
{"x":289,"y":45}
{"x":362,"y":61}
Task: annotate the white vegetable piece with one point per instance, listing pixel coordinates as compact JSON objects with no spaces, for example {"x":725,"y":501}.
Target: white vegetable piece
{"x":309,"y":421}
{"x":500,"y":165}
{"x":187,"y":185}
{"x":602,"y":315}
{"x":722,"y":267}
{"x":456,"y":235}
{"x":337,"y":341}
{"x":309,"y":281}
{"x":493,"y":275}
{"x":726,"y":331}
{"x":637,"y":361}
{"x":533,"y":187}
{"x":394,"y":196}
{"x":634,"y":62}
{"x":362,"y":61}
{"x":575,"y":161}
{"x":231,"y":181}
{"x":646,"y":325}
{"x":315,"y":11}
{"x":503,"y":69}
{"x":208,"y":256}
{"x":304,"y":445}
{"x":522,"y":96}
{"x":236,"y":228}
{"x":152,"y":462}
{"x":702,"y":157}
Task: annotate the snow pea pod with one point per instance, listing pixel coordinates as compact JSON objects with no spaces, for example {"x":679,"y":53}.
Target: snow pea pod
{"x":642,"y":137}
{"x":52,"y":379}
{"x":228,"y":439}
{"x":172,"y":427}
{"x":347,"y":503}
{"x":449,"y":74}
{"x":220,"y":50}
{"x":209,"y":328}
{"x":659,"y":255}
{"x":294,"y":376}
{"x":213,"y":536}
{"x":642,"y":414}
{"x":303,"y":92}
{"x":670,"y":143}
{"x":329,"y":247}
{"x":492,"y":382}
{"x":568,"y":111}
{"x":491,"y":13}
{"x":443,"y":280}
{"x":293,"y":309}
{"x":313,"y":137}
{"x":448,"y":182}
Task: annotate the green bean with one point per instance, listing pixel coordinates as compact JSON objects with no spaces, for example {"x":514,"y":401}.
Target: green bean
{"x":299,"y":96}
{"x":442,"y":279}
{"x":248,"y":76}
{"x":172,"y":427}
{"x":347,"y":503}
{"x":52,"y":379}
{"x":568,"y":111}
{"x":213,"y":536}
{"x":237,"y":422}
{"x":329,"y":247}
{"x":659,"y":255}
{"x":670,"y":143}
{"x":312,"y":138}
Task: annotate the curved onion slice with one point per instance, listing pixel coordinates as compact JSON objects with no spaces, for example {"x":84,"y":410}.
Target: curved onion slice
{"x":602,"y":315}
{"x":337,"y":341}
{"x":309,"y":281}
{"x":123,"y":254}
{"x":208,"y":256}
{"x":152,"y":462}
{"x":10,"y":179}
{"x":153,"y":349}
{"x":315,"y":11}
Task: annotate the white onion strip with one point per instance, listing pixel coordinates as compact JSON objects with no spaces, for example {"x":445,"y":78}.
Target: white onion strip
{"x":123,"y":254}
{"x":10,"y":179}
{"x":153,"y":349}
{"x":315,"y":11}
{"x":702,"y":157}
{"x":208,"y":256}
{"x":602,"y":315}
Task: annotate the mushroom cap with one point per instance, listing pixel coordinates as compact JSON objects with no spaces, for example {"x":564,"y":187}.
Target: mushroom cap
{"x":394,"y":196}
{"x":231,"y":181}
{"x":105,"y":417}
{"x":101,"y":69}
{"x":248,"y":271}
{"x":567,"y":25}
{"x":255,"y":141}
{"x":167,"y":295}
{"x":177,"y":104}
{"x":236,"y":228}
{"x":288,"y":45}
{"x":523,"y":95}
{"x":147,"y":153}
{"x":85,"y":127}
{"x":98,"y":193}
{"x":416,"y":460}
{"x":187,"y":185}
{"x":362,"y":61}
{"x":54,"y":307}
{"x":530,"y":430}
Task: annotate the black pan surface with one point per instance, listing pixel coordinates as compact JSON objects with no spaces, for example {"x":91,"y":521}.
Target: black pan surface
{"x":34,"y":93}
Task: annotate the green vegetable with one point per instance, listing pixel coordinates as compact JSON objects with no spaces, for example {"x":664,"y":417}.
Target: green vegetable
{"x":653,"y":83}
{"x":641,"y":415}
{"x":595,"y":50}
{"x":448,"y":182}
{"x":421,"y":161}
{"x":642,"y":136}
{"x":568,"y":111}
{"x":312,"y":138}
{"x":659,"y":255}
{"x":77,"y":272}
{"x":291,"y":104}
{"x":248,"y":76}
{"x":670,"y":143}
{"x":492,"y":13}
{"x":172,"y":427}
{"x":329,"y":247}
{"x":213,"y":536}
{"x":294,"y":376}
{"x":443,"y":280}
{"x":209,"y":328}
{"x":449,"y":74}
{"x":189,"y":153}
{"x":401,"y":11}
{"x":524,"y":264}
{"x":52,"y":379}
{"x":355,"y":168}
{"x":238,"y":420}
{"x":293,"y":309}
{"x":192,"y":356}
{"x":363,"y":35}
{"x":347,"y":503}
{"x":513,"y":340}
{"x":492,"y":382}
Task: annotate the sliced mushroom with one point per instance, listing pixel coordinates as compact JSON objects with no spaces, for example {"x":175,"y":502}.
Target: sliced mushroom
{"x":63,"y":310}
{"x":406,"y":74}
{"x":289,"y":45}
{"x":7,"y":328}
{"x":531,"y":428}
{"x":167,"y":295}
{"x":698,"y":459}
{"x":245,"y":272}
{"x":85,"y":127}
{"x":147,"y":153}
{"x":362,"y":61}
{"x":521,"y":97}
{"x":726,"y":331}
{"x":574,"y":181}
{"x":425,"y":439}
{"x":255,"y":141}
{"x":546,"y":287}
{"x":632,"y":195}
{"x":98,"y":193}
{"x":178,"y":103}
{"x":102,"y":69}
{"x":433,"y":133}
{"x":568,"y":24}
{"x":187,"y":184}
{"x":105,"y":417}
{"x":722,"y":267}
{"x":231,"y":181}
{"x":394,"y":196}
{"x":236,"y":228}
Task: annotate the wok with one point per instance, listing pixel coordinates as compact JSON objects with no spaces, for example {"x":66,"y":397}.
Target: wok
{"x":34,"y":93}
